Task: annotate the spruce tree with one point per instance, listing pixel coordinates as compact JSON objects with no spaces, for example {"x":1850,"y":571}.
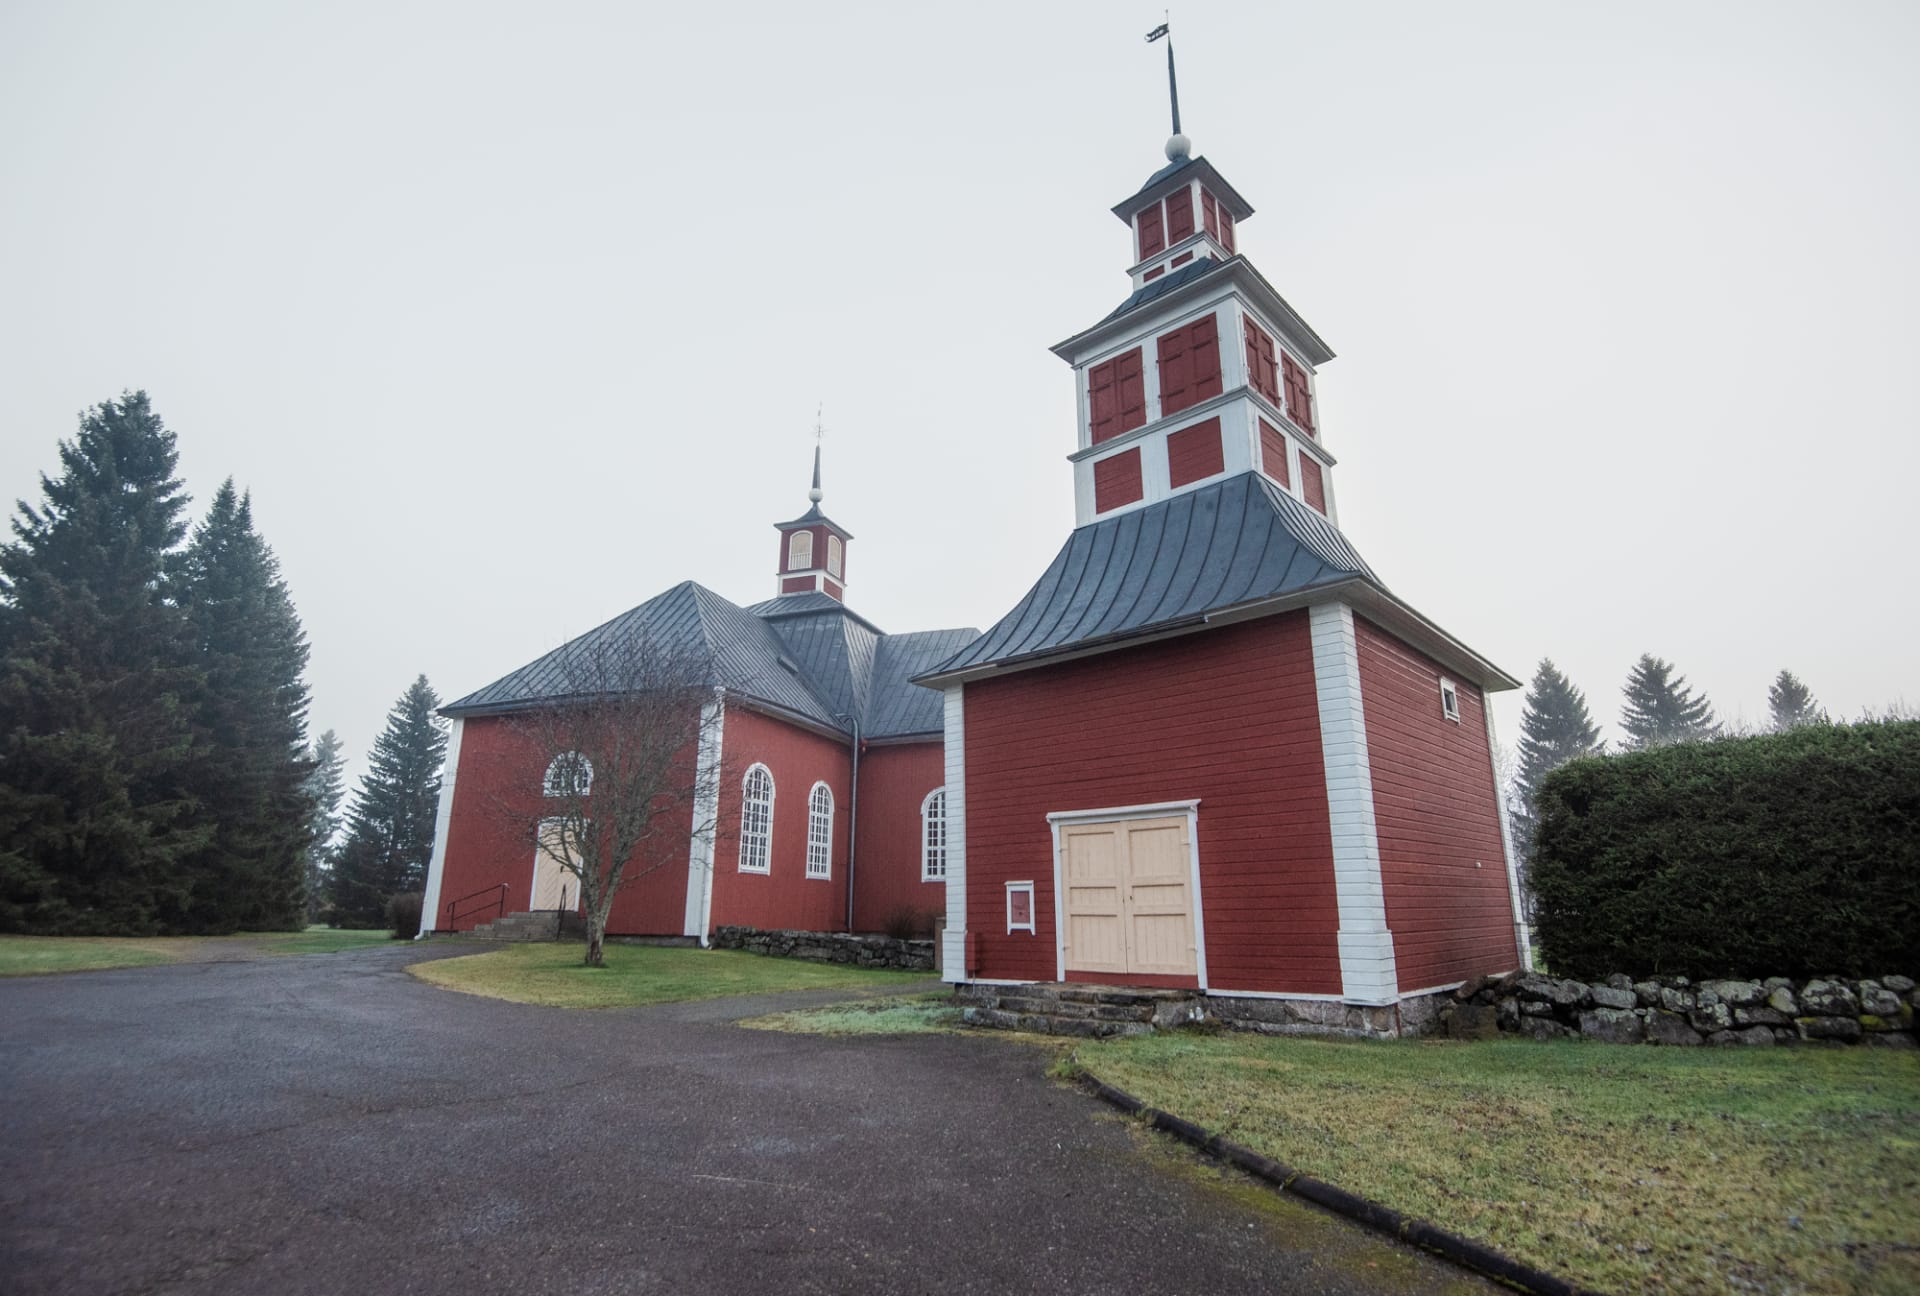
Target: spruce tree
{"x":326,"y":789}
{"x":390,"y":827}
{"x":1555,"y":727}
{"x":1661,"y":709}
{"x":250,"y":766}
{"x":1791,"y":703}
{"x":98,"y":823}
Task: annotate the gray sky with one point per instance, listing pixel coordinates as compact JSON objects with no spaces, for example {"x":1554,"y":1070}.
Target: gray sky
{"x":511,"y":317}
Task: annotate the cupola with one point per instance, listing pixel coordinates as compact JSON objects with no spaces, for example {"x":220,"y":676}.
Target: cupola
{"x":813,"y":548}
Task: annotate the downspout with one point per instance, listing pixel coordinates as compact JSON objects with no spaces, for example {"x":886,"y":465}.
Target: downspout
{"x":853,"y":820}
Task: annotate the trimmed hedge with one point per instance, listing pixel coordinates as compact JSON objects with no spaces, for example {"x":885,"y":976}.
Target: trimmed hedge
{"x":1793,"y":854}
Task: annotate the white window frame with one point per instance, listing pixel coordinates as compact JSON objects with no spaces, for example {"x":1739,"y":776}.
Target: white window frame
{"x":933,"y":854}
{"x":835,"y":553}
{"x":551,"y":784}
{"x":1030,"y":926}
{"x":756,"y":848}
{"x":820,"y":833}
{"x":799,"y":555}
{"x":1449,"y":700}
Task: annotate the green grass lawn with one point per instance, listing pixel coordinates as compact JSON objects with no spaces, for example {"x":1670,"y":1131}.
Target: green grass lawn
{"x":887,"y":1015}
{"x":31,"y":955}
{"x":1628,"y":1168}
{"x":552,"y":974}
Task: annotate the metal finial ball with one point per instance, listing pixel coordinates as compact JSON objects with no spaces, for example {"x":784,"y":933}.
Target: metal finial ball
{"x":814,"y":494}
{"x":1179,"y":147}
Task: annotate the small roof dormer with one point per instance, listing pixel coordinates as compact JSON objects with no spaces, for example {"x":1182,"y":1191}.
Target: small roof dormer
{"x":813,"y":549}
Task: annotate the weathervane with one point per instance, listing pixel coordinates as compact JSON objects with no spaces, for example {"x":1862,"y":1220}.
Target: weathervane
{"x":819,"y":438}
{"x":1177,"y":145}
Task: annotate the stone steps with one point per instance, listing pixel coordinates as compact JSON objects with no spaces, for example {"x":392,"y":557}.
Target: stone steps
{"x":519,"y":927}
{"x":1082,"y":1011}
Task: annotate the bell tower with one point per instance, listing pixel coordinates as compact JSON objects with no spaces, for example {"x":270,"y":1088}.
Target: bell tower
{"x":813,"y":548}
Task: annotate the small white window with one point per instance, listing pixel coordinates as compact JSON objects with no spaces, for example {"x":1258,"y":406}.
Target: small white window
{"x":820,"y":832}
{"x":756,"y":821}
{"x":799,"y":551}
{"x":1449,"y":701}
{"x":570,"y":774}
{"x":933,"y":836}
{"x":1019,"y":907}
{"x":833,"y":556}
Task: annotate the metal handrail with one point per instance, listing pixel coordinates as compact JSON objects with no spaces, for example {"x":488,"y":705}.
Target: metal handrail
{"x":499,"y":893}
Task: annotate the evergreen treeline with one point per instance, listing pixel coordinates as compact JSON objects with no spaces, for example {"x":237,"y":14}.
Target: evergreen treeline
{"x":153,"y":759}
{"x":390,"y":827}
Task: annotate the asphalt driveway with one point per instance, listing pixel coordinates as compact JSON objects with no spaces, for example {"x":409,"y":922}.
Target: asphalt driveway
{"x":330,"y":1124}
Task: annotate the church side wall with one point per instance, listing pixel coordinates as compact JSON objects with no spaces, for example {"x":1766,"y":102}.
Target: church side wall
{"x":784,"y":897}
{"x":894,"y":780}
{"x":1229,"y":716}
{"x":1442,"y":859}
{"x":500,"y":779}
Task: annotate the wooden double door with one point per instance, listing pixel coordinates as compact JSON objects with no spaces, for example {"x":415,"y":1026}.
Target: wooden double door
{"x":1128,"y":896}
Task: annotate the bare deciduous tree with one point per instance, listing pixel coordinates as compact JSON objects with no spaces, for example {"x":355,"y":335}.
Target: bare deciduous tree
{"x":620,"y":739}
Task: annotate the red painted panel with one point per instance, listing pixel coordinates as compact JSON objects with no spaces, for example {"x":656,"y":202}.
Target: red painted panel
{"x":1299,"y":395}
{"x":1273,"y":452}
{"x":1209,"y":214}
{"x":1116,"y":480}
{"x":1312,"y":490}
{"x":1152,"y":232}
{"x":833,"y":590}
{"x":1263,"y":375}
{"x":1179,"y":216}
{"x":1182,"y":259}
{"x":797,"y":584}
{"x":1228,"y":715}
{"x":1153,"y":274}
{"x":1117,"y":396}
{"x":894,"y":780}
{"x":1194,"y":453}
{"x":498,"y":781}
{"x":1226,"y":229}
{"x":785,"y":896}
{"x":1189,"y":364}
{"x":1434,"y":801}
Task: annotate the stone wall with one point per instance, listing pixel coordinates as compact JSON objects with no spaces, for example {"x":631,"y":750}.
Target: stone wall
{"x":1675,"y":1010}
{"x":829,"y":947}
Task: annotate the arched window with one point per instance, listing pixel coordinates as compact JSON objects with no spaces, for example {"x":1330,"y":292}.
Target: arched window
{"x":756,"y":821}
{"x":833,"y":556}
{"x":799,"y":551}
{"x":820,"y":831}
{"x":933,"y":836}
{"x":570,"y":774}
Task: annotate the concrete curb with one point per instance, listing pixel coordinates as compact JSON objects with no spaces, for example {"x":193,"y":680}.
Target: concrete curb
{"x":1382,"y":1219}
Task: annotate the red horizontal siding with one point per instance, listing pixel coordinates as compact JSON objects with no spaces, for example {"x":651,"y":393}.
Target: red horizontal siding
{"x":1116,"y":480}
{"x":1442,"y":859}
{"x":894,"y":780}
{"x":1229,"y":716}
{"x":784,"y":896}
{"x":1194,"y":453}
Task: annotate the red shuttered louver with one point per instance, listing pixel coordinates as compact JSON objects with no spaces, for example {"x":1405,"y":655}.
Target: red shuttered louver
{"x":1152,"y":232}
{"x":1273,"y":452}
{"x":1311,"y":488}
{"x":1116,"y":480}
{"x":1209,"y":214}
{"x":1117,"y":397}
{"x":1299,"y":395}
{"x":1226,"y":229}
{"x":1263,"y":374}
{"x":1194,"y":453}
{"x":1179,"y":216}
{"x":1189,"y":365}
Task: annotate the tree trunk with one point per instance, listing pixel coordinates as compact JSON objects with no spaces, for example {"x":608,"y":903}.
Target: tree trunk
{"x":596,"y":916}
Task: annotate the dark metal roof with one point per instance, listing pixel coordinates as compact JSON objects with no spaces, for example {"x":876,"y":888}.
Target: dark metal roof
{"x":1238,"y":541}
{"x":1166,"y":283}
{"x":1163,"y":180}
{"x":899,"y":706}
{"x":812,"y":516}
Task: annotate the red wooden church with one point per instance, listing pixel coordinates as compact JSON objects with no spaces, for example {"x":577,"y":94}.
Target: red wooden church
{"x":1209,"y":749}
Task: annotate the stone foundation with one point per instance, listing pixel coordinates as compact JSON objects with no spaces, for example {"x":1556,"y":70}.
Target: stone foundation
{"x":829,"y":947}
{"x":1678,"y":1011}
{"x":1029,"y":1007}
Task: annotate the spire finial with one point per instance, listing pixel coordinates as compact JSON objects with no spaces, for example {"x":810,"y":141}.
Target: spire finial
{"x":1178,"y":146}
{"x":819,"y":435}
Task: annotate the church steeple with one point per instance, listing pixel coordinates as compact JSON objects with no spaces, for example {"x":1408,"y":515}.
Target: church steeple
{"x":813,"y":547}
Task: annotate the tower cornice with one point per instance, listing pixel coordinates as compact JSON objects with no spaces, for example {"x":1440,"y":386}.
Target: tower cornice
{"x":1234,"y":274}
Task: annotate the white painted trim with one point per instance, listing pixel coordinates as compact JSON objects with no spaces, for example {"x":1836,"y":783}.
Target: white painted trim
{"x":926,"y":801}
{"x":1032,"y":925}
{"x":442,"y":822}
{"x":806,"y":867}
{"x":773,"y":792}
{"x":1368,"y":973}
{"x":1448,"y":689}
{"x":706,"y":809}
{"x":1123,"y":814}
{"x":1155,"y":810}
{"x":1522,"y":938}
{"x":953,"y":953}
{"x":551,"y":786}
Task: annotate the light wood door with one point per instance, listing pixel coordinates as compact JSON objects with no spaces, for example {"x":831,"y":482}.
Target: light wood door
{"x":553,"y":886}
{"x":1129,"y":897}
